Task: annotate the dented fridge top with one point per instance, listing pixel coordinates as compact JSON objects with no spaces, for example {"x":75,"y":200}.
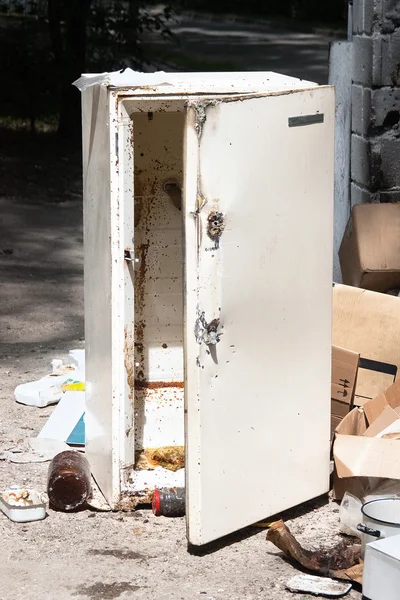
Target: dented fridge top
{"x":132,"y":82}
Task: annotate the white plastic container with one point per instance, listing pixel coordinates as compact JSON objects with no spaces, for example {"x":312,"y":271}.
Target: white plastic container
{"x":38,"y":393}
{"x":381,"y":519}
{"x":23,"y":513}
{"x":48,"y":389}
{"x":381,"y":577}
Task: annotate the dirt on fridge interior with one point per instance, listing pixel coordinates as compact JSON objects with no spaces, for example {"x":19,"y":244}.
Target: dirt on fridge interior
{"x":101,"y":556}
{"x":156,"y":378}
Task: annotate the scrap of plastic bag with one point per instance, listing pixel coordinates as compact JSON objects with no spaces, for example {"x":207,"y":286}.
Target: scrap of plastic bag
{"x":350,"y":508}
{"x":350,"y":514}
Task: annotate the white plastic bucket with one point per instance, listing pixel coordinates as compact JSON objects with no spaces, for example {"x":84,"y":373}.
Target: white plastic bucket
{"x":381,"y":519}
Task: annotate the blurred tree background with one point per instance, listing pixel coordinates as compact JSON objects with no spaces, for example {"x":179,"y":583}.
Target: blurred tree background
{"x":323,"y":11}
{"x":47,"y":44}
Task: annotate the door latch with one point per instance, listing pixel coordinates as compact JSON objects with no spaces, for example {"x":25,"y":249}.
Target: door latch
{"x":128,"y":257}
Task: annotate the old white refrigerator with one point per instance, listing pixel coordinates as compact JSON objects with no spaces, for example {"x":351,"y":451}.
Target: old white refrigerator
{"x":208,"y":270}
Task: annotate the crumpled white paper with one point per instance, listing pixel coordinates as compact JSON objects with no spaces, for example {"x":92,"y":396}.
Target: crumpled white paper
{"x":125,"y":77}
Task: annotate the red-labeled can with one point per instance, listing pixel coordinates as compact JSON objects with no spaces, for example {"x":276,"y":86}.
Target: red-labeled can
{"x":169,"y":502}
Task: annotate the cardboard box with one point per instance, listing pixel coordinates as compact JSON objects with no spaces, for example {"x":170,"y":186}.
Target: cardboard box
{"x":359,"y":457}
{"x":386,"y":424}
{"x":344,"y":376}
{"x":370,"y":251}
{"x":335,"y":420}
{"x":389,"y":398}
{"x":368,"y":323}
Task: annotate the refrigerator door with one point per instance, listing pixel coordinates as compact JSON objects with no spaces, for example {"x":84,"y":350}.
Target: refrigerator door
{"x":258,"y":268}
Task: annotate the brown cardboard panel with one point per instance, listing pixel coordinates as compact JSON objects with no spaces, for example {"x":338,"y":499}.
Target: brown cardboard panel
{"x":355,"y":423}
{"x":343,"y":359}
{"x":383,"y":373}
{"x":367,"y":323}
{"x":341,"y":394}
{"x":335,"y":421}
{"x":370,"y":250}
{"x":349,"y":257}
{"x":361,"y":459}
{"x":370,"y":384}
{"x":394,"y":435}
{"x":339,"y":409}
{"x":390,"y":397}
{"x":344,"y":375}
{"x":359,"y":456}
{"x":357,"y":486}
{"x":387,"y":417}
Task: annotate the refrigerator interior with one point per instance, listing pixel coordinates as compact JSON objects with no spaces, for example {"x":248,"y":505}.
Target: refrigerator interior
{"x":158,"y":390}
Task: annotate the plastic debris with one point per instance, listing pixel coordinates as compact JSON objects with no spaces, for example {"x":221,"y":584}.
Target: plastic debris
{"x":38,"y":393}
{"x":72,"y":385}
{"x":318,"y":586}
{"x":64,"y":419}
{"x":50,"y":389}
{"x":23,"y":505}
{"x":350,"y":514}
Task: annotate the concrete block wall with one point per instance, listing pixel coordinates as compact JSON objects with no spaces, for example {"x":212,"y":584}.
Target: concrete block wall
{"x":375,"y":144}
